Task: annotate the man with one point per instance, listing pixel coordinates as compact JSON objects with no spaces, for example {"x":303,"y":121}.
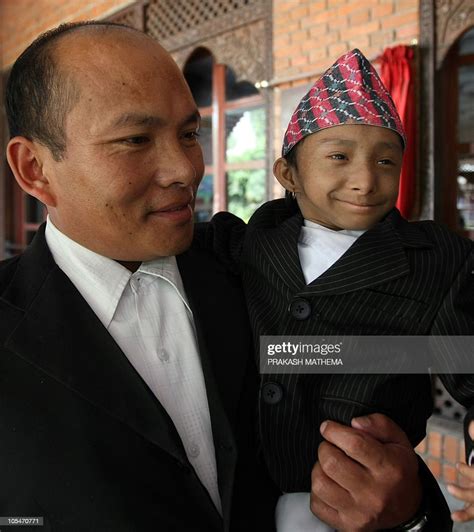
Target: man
{"x":336,"y":259}
{"x":127,"y":385}
{"x":127,"y":381}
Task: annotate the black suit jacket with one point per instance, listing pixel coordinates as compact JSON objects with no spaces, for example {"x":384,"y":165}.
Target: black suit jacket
{"x":84,"y":442}
{"x":399,"y":278}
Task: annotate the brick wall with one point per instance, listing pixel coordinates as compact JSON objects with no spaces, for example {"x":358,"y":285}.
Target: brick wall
{"x":442,"y":448}
{"x":23,"y":20}
{"x":308,"y":35}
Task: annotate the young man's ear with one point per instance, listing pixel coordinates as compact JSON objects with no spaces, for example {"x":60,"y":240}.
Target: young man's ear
{"x":286,"y":175}
{"x":26,"y":159}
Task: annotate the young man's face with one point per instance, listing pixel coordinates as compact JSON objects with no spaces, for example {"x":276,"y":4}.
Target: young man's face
{"x":347,"y":176}
{"x":127,"y":183}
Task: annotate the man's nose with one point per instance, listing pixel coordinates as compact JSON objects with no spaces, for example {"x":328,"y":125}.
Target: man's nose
{"x":364,"y":179}
{"x":176,"y":167}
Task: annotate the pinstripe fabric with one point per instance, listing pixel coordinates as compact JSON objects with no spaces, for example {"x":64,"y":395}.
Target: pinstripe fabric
{"x":398,"y":278}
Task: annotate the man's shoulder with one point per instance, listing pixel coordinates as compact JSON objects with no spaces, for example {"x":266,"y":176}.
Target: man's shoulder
{"x":273,"y":213}
{"x":21,"y":279}
{"x":437,"y":253}
{"x":221,"y":239}
{"x":442,"y":238}
{"x":8,"y":270}
{"x":9,"y":312}
{"x":222,"y":225}
{"x":8,"y":267}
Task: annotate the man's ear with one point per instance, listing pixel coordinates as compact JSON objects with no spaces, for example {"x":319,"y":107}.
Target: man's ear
{"x":286,"y":175}
{"x":26,"y":159}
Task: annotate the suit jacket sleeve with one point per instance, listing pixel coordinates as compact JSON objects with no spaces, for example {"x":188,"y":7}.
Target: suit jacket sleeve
{"x":224,"y":237}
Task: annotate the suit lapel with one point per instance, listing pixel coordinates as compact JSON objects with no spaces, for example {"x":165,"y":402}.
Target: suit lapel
{"x":279,"y":249}
{"x":377,"y":257}
{"x":224,"y":369}
{"x":60,"y":334}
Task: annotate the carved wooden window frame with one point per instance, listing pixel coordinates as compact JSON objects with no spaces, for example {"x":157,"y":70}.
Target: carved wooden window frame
{"x":442,"y":22}
{"x":437,"y":35}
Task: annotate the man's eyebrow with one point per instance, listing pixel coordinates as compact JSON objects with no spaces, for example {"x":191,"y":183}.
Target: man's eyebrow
{"x":194,"y":117}
{"x":337,"y":141}
{"x":141,"y":119}
{"x":382,"y":144}
{"x":137,"y":119}
{"x":391,"y":145}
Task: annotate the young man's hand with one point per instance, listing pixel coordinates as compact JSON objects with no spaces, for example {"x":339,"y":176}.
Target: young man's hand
{"x":366,"y":477}
{"x":465,"y":492}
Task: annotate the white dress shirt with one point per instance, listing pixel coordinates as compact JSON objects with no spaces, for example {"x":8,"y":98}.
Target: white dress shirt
{"x":318,"y":248}
{"x":148,"y":316}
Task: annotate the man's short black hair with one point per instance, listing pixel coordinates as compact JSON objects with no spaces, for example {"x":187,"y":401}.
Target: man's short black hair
{"x":40,"y":93}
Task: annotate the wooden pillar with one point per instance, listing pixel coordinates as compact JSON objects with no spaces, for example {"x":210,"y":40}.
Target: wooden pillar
{"x":218,"y":137}
{"x":3,"y":166}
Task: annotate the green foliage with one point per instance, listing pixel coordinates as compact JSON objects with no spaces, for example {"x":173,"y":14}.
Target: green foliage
{"x":255,"y":152}
{"x":245,"y":192}
{"x":246,"y":188}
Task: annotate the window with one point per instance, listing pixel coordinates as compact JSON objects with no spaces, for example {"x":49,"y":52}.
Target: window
{"x":456,"y":136}
{"x":233,"y":138}
{"x":465,"y":136}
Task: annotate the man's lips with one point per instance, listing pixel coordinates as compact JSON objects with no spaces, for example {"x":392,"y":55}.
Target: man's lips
{"x":178,"y":211}
{"x":175,"y":206}
{"x":358,"y":204}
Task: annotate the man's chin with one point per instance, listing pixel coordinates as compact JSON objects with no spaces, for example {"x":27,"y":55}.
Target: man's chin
{"x":184,"y":246}
{"x":179,"y":244}
{"x":171,"y":247}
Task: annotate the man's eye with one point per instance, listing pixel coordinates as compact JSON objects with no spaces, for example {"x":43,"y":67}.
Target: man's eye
{"x":388,"y":162}
{"x":337,"y":156}
{"x":191,"y":135}
{"x":136,"y":140}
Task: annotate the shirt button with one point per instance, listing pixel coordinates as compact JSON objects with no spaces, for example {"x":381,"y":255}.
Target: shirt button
{"x":164,"y":356}
{"x":194,"y":450}
{"x":300,"y":309}
{"x":135,"y":283}
{"x":272,"y":393}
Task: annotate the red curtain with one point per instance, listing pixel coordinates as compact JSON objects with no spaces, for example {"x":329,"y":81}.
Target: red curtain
{"x":397,"y":74}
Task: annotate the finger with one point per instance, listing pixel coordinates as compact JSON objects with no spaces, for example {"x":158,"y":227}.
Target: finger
{"x":342,"y":469}
{"x":355,"y":443}
{"x":330,"y":492}
{"x":318,"y":506}
{"x":382,"y":428}
{"x":325,"y":513}
{"x":471,"y":430}
{"x":465,"y":494}
{"x":466,"y":514}
{"x":466,"y":471}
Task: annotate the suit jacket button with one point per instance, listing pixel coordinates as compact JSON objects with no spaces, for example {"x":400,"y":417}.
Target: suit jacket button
{"x":272,"y":393}
{"x":300,"y":309}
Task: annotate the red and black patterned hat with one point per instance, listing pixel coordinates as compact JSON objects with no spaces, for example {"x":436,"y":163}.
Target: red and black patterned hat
{"x":349,"y":92}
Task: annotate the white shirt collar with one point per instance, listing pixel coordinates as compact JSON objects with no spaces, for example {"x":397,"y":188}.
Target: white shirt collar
{"x":101,"y":280}
{"x":320,"y":247}
{"x":348,"y":232}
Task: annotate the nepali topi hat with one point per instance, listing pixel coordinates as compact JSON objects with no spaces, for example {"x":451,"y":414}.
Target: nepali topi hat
{"x":349,"y":92}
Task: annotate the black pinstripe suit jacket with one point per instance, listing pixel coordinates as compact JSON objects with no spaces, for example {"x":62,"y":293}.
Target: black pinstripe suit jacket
{"x":398,"y":278}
